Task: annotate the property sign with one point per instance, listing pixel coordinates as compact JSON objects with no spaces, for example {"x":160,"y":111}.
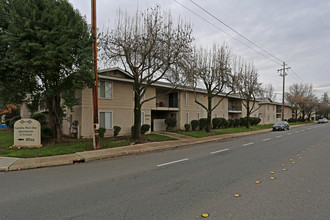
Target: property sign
{"x":27,"y":133}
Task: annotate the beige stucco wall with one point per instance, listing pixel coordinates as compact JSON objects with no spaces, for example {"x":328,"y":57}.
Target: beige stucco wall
{"x":192,"y":111}
{"x":268,"y":114}
{"x":121,"y":105}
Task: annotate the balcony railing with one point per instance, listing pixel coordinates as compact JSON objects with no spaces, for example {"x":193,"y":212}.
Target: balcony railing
{"x":235,"y":108}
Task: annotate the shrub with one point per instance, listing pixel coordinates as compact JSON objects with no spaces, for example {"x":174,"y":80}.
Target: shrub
{"x":237,"y":122}
{"x":170,"y":122}
{"x":216,"y":122}
{"x":243,"y":121}
{"x":231,"y":122}
{"x":116,"y":130}
{"x":13,"y":120}
{"x":223,"y":122}
{"x":101,"y":132}
{"x":300,"y":119}
{"x":46,"y":133}
{"x":291,"y":120}
{"x":186,"y":127}
{"x":39,"y":117}
{"x":145,"y":128}
{"x":202,"y":123}
{"x":194,"y":124}
{"x":258,"y":120}
{"x":7,"y":122}
{"x":227,"y":124}
{"x":252,"y":121}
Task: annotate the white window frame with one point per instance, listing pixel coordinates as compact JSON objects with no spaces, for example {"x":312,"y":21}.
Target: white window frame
{"x":111,"y":119}
{"x":143,"y":118}
{"x":105,"y":95}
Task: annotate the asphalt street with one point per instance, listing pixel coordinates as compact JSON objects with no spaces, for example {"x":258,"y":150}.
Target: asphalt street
{"x":186,"y":182}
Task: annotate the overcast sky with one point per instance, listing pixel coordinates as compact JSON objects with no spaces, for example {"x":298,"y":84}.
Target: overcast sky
{"x":294,"y":31}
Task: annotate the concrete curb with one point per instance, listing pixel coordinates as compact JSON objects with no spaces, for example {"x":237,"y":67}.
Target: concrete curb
{"x":12,"y":164}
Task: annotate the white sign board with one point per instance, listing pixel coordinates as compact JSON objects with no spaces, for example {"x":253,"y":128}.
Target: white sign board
{"x":27,"y":133}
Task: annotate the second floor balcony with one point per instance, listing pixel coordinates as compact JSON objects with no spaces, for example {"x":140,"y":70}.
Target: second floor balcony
{"x":234,"y":108}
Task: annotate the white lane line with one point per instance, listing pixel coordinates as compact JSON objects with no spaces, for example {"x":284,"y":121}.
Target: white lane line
{"x":302,"y":130}
{"x":289,"y":133}
{"x":172,"y":162}
{"x":266,"y":139}
{"x":297,"y":131}
{"x":279,"y":136}
{"x":247,"y":144}
{"x":219,"y":151}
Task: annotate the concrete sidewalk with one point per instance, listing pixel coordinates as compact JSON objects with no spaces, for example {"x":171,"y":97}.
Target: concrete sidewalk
{"x":12,"y":164}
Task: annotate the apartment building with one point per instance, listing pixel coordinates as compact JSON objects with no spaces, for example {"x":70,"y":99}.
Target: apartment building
{"x":116,"y":103}
{"x":271,"y":112}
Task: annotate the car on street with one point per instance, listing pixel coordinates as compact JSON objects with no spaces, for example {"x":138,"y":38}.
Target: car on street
{"x":281,"y":126}
{"x":322,"y":120}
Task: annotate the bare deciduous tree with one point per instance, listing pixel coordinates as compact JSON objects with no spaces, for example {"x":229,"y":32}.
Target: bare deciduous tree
{"x":294,"y":95}
{"x":212,"y":69}
{"x":268,"y":92}
{"x":323,"y":106}
{"x":247,"y":85}
{"x":308,"y":101}
{"x":149,"y":45}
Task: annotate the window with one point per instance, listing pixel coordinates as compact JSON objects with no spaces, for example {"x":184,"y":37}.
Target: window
{"x":273,"y":117}
{"x":106,"y":120}
{"x":197,"y":97}
{"x":223,"y":115}
{"x":142,"y":118}
{"x":268,"y":107}
{"x":215,"y":115}
{"x":268,"y":117}
{"x":105,"y":89}
{"x":198,"y":116}
{"x":187,"y":118}
{"x":187,"y":99}
{"x":273,"y":107}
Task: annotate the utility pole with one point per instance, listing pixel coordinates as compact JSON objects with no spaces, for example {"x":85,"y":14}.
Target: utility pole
{"x":96,"y":137}
{"x":283,"y":74}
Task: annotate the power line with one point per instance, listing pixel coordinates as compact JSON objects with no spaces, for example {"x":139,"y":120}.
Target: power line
{"x":227,"y":33}
{"x":235,"y":31}
{"x":297,"y":76}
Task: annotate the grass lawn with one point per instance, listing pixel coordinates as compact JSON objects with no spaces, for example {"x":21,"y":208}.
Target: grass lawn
{"x":200,"y":134}
{"x":67,"y":147}
{"x":6,"y":138}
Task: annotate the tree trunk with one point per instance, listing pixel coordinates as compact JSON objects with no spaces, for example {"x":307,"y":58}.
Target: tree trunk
{"x":248,"y":115}
{"x":209,"y":114}
{"x":55,"y":116}
{"x":136,"y":135}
